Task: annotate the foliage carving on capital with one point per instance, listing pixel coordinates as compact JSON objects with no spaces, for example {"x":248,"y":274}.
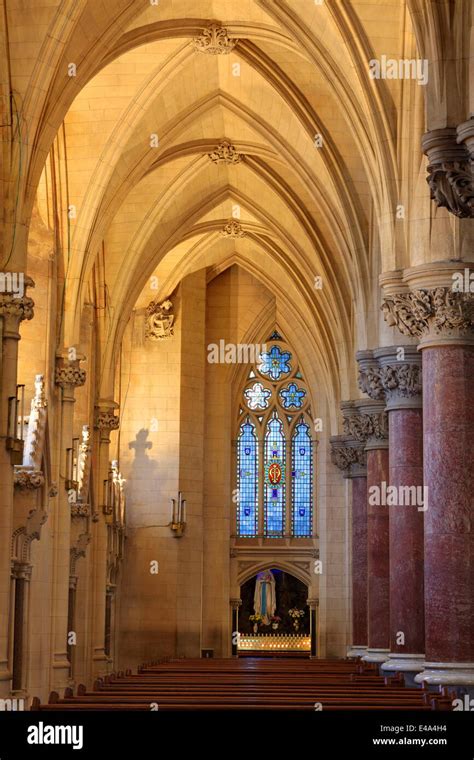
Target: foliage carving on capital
{"x":19,"y":308}
{"x":404,"y":380}
{"x":439,"y":310}
{"x":69,"y":373}
{"x":214,"y":40}
{"x":343,"y":456}
{"x":369,"y":382}
{"x":106,"y":420}
{"x":27,"y":479}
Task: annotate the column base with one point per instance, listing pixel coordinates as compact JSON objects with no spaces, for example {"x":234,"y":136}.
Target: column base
{"x":376,"y":655}
{"x":356,"y":651}
{"x":458,"y":674}
{"x":404,"y":663}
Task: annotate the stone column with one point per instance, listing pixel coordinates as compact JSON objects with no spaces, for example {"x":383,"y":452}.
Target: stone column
{"x":400,"y":377}
{"x":68,"y":377}
{"x":349,"y":456}
{"x":235,"y":604}
{"x":13,"y":310}
{"x":21,"y":572}
{"x":369,"y":423}
{"x":430,"y":305}
{"x":105,"y":421}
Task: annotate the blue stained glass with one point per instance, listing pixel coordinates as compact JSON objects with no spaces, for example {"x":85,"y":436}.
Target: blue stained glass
{"x":247,"y":480}
{"x":274,"y":488}
{"x":275,"y":363}
{"x":302,"y":481}
{"x":292,"y":396}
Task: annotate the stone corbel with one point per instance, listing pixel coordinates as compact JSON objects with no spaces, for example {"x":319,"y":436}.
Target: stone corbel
{"x":450,"y":169}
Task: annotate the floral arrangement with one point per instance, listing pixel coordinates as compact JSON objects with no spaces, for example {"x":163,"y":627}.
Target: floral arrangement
{"x":296,"y":615}
{"x":275,"y":619}
{"x":257,"y":619}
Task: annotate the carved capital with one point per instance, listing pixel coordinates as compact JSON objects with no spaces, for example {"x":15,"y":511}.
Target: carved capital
{"x":79,"y":510}
{"x":342,"y":456}
{"x":159,"y":320}
{"x":106,"y":420}
{"x":214,"y":40}
{"x":401,"y":380}
{"x":369,"y":380}
{"x":225,"y":153}
{"x":27,"y":479}
{"x":69,"y":373}
{"x":450,"y":172}
{"x":431,"y":312}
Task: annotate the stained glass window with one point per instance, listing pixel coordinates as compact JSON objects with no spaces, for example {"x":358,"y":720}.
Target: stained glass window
{"x":275,"y":363}
{"x":292,"y":396}
{"x":247,"y":476}
{"x":275,"y":450}
{"x":257,"y":396}
{"x":274,"y":499}
{"x":302,"y":480}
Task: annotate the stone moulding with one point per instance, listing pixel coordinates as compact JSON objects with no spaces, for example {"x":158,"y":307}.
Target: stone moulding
{"x":214,"y":40}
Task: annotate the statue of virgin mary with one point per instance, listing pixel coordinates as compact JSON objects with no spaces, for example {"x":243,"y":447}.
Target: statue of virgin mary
{"x":264,"y":600}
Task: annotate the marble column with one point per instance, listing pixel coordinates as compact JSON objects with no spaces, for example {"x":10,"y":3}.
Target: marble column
{"x":350,"y":457}
{"x":370,"y":424}
{"x":13,"y":311}
{"x":400,"y":377}
{"x":429,"y":307}
{"x":68,"y":376}
{"x":105,"y":421}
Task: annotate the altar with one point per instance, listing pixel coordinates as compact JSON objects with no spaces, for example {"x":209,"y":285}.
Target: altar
{"x":274,"y":643}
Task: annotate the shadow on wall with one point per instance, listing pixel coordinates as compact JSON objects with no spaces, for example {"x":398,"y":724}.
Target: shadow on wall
{"x":141,"y":488}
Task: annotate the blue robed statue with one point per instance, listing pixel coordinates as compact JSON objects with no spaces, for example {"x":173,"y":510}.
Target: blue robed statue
{"x":264,"y":600}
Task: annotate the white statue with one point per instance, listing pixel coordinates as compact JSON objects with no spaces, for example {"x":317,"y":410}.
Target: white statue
{"x":264,"y":600}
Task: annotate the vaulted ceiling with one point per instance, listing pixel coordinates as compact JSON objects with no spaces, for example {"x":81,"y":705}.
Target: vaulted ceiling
{"x":128,"y":107}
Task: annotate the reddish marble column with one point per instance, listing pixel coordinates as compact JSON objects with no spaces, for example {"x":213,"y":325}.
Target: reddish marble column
{"x":448,"y":421}
{"x":378,"y":559}
{"x":400,"y":376}
{"x":434,"y":303}
{"x":349,"y":456}
{"x":359,"y":563}
{"x":368,"y":422}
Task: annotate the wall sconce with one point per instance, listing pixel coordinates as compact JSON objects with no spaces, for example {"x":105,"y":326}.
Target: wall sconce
{"x":71,"y":466}
{"x":14,"y":442}
{"x":108,"y":495}
{"x":178,"y":515}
